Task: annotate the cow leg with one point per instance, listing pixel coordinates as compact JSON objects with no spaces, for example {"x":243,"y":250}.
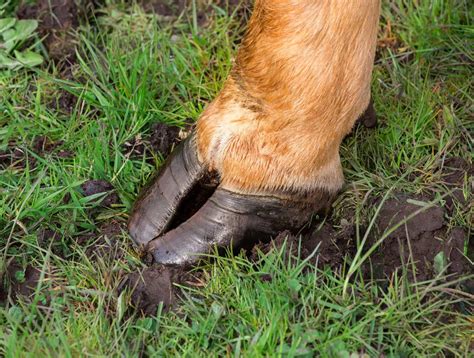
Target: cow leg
{"x":300,"y":81}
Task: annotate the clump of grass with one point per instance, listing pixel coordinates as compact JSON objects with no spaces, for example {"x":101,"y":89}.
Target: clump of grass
{"x":279,"y":306}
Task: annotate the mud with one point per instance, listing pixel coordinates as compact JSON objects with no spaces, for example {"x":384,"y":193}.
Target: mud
{"x":412,"y":245}
{"x":21,"y":283}
{"x":161,"y":139}
{"x":417,"y":246}
{"x":150,"y":287}
{"x":416,"y":243}
{"x":92,"y":187}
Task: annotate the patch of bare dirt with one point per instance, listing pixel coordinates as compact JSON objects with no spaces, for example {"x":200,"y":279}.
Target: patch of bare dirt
{"x":418,"y":241}
{"x":150,"y":287}
{"x":162,"y":139}
{"x":415,"y":244}
{"x":19,"y":283}
{"x":57,"y":18}
{"x":92,"y":187}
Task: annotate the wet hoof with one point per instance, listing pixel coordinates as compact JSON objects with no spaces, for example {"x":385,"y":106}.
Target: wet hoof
{"x":155,"y":208}
{"x":228,"y":219}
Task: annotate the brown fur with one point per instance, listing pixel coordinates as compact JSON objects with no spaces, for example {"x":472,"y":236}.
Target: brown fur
{"x":300,"y":80}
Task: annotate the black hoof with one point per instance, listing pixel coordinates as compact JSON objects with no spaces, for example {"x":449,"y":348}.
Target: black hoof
{"x":227,"y":220}
{"x":155,"y":209}
{"x":369,"y":118}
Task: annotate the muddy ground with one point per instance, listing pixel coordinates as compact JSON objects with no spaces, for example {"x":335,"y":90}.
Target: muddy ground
{"x":425,"y":242}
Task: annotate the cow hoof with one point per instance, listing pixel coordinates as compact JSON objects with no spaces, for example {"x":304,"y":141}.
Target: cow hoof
{"x":158,"y":202}
{"x":226,"y":220}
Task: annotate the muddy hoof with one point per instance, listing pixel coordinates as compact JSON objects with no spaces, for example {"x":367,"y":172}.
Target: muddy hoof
{"x":159,"y":201}
{"x":227,"y":219}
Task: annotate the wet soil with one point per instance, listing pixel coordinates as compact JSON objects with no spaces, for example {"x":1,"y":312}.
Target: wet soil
{"x":150,"y":287}
{"x":414,"y":244}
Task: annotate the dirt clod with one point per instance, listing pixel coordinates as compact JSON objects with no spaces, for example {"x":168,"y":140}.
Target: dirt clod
{"x":150,"y":287}
{"x":92,"y":187}
{"x":163,"y":137}
{"x":400,"y":208}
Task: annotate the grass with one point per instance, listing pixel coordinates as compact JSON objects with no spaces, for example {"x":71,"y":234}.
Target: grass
{"x":135,"y":70}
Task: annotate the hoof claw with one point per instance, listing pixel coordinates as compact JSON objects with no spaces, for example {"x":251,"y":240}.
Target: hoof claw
{"x":158,"y":202}
{"x":227,"y":220}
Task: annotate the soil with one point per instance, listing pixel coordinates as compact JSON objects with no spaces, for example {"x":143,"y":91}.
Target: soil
{"x":162,"y":139}
{"x":57,"y":18}
{"x":23,"y":285}
{"x":172,"y":9}
{"x":418,"y":241}
{"x":92,"y":187}
{"x":150,"y":287}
